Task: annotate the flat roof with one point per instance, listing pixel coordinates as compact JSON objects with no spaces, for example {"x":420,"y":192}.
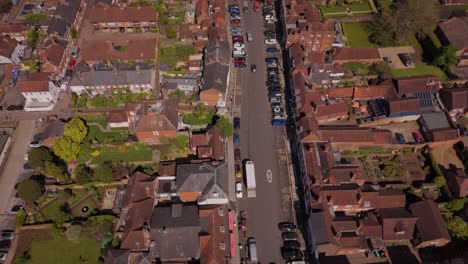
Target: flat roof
{"x":435,"y":120}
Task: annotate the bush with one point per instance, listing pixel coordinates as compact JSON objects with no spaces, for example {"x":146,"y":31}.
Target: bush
{"x":56,"y":230}
{"x":457,"y":204}
{"x":30,"y":190}
{"x":36,"y":18}
{"x":37,"y":157}
{"x":171,"y":33}
{"x":356,"y":68}
{"x":57,"y":172}
{"x":202,"y":115}
{"x":103,"y":173}
{"x":440,"y":181}
{"x":457,"y":227}
{"x":225,"y":125}
{"x":20,"y":218}
{"x":83,"y":174}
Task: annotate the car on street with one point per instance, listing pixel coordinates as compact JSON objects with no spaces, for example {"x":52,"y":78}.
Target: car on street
{"x":239,"y":60}
{"x":288,"y":236}
{"x":236,"y":138}
{"x":236,"y":32}
{"x":291,"y":254}
{"x":406,"y":59}
{"x":240,"y":38}
{"x":275,"y":99}
{"x":15,"y":209}
{"x":267,"y":8}
{"x":271,"y":59}
{"x":26,"y":157}
{"x":240,"y":65}
{"x":252,"y":245}
{"x":239,"y":193}
{"x":75,"y":51}
{"x":3,"y":256}
{"x":257,"y":6}
{"x":237,"y":155}
{"x":275,"y":93}
{"x":286,"y":227}
{"x":275,"y":105}
{"x":291,"y":245}
{"x":270,"y":41}
{"x":238,"y":171}
{"x":272,"y":50}
{"x":235,"y":21}
{"x":236,"y":123}
{"x":253,"y":68}
{"x":400,"y":138}
{"x":249,"y":36}
{"x":272,"y":65}
{"x":268,"y":15}
{"x":243,"y":224}
{"x":268,"y":32}
{"x":7,"y":234}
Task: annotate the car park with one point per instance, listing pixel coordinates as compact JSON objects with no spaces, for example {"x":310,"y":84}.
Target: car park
{"x":291,"y":254}
{"x":239,"y":193}
{"x":236,"y":138}
{"x":238,"y":171}
{"x":237,"y":155}
{"x":286,"y":227}
{"x":253,"y":68}
{"x":236,"y":123}
{"x":400,"y":138}
{"x":272,"y":50}
{"x":288,"y":236}
{"x":291,"y":245}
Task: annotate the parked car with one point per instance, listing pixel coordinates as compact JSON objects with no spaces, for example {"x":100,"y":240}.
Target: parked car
{"x":15,"y":209}
{"x":272,"y":50}
{"x":243,"y":224}
{"x":272,"y":65}
{"x":253,"y":68}
{"x":235,"y":21}
{"x":291,"y":254}
{"x":7,"y":234}
{"x":387,"y":60}
{"x":291,"y":244}
{"x":270,"y":41}
{"x":271,"y":59}
{"x":3,"y":256}
{"x":238,"y":171}
{"x":240,"y":38}
{"x":275,"y":105}
{"x":400,"y":138}
{"x":236,"y":138}
{"x":288,"y":236}
{"x":35,"y":144}
{"x":418,"y":137}
{"x":268,"y":32}
{"x":236,"y":32}
{"x":239,"y":193}
{"x":275,"y":99}
{"x":249,"y":36}
{"x":75,"y":51}
{"x":237,"y":154}
{"x":239,"y":60}
{"x":240,"y":65}
{"x":12,"y":83}
{"x":406,"y":59}
{"x":286,"y":227}
{"x":236,"y":123}
{"x":267,"y":8}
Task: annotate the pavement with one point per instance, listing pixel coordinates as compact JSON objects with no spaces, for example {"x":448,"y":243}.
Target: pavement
{"x":265,"y":145}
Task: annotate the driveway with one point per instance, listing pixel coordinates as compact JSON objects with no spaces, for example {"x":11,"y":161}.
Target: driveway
{"x":392,"y":53}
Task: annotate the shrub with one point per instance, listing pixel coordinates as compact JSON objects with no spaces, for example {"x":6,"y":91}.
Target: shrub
{"x":83,"y":174}
{"x":440,"y":181}
{"x":57,"y":172}
{"x":37,"y":157}
{"x":103,"y":173}
{"x":20,"y":218}
{"x":225,"y":125}
{"x":457,"y":204}
{"x":30,"y":190}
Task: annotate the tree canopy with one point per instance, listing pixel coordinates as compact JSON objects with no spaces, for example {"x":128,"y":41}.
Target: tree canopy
{"x":447,"y":57}
{"x":56,"y":171}
{"x":83,"y":174}
{"x":37,"y":157}
{"x":457,"y":227}
{"x":76,"y":130}
{"x":225,"y":125}
{"x":66,"y":148}
{"x":32,"y":36}
{"x":30,"y":190}
{"x":457,"y":204}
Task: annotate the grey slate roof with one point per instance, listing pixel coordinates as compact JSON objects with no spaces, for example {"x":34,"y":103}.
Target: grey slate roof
{"x":209,"y":178}
{"x":215,"y":76}
{"x":435,"y":120}
{"x":175,"y":231}
{"x":64,"y":16}
{"x":319,"y":225}
{"x":217,"y":51}
{"x":98,"y":78}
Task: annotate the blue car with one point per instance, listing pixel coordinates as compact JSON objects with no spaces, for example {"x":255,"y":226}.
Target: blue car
{"x":272,"y":50}
{"x":278,"y":122}
{"x":236,"y":138}
{"x":269,"y":60}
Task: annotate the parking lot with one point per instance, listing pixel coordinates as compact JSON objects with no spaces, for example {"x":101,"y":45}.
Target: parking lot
{"x":404,"y":128}
{"x":393,"y":52}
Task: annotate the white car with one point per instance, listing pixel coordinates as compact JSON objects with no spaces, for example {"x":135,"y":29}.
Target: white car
{"x":238,"y":46}
{"x":268,"y":17}
{"x":270,"y":41}
{"x":239,"y":193}
{"x":249,"y":36}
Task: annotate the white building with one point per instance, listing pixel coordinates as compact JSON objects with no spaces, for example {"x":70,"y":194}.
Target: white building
{"x":40,"y":92}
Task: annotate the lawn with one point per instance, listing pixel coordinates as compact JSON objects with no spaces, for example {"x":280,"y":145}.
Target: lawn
{"x":364,"y":6}
{"x":341,"y":15}
{"x":96,"y":134}
{"x":100,"y":119}
{"x":51,"y":208}
{"x":420,"y":69}
{"x":126,"y":153}
{"x":455,"y":7}
{"x":64,"y":251}
{"x":357,"y":34}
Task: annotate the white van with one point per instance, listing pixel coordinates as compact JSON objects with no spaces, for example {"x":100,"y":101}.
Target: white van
{"x":252,"y":250}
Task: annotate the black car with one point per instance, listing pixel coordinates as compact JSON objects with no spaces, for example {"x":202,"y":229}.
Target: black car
{"x":291,"y":245}
{"x":406,"y":59}
{"x":240,"y":65}
{"x":16,"y":208}
{"x":236,"y":123}
{"x":288,"y":236}
{"x":400,"y":138}
{"x":291,"y":254}
{"x":253,"y":68}
{"x":287,"y":227}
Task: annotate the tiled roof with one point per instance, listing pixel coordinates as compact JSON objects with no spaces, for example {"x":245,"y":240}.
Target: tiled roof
{"x":430,"y":224}
{"x":398,"y":223}
{"x":161,"y":116}
{"x":403,"y":105}
{"x":135,"y":236}
{"x":140,"y":187}
{"x":120,"y":49}
{"x":455,"y":98}
{"x":36,"y":82}
{"x":117,"y":117}
{"x":215,"y":77}
{"x":354,"y":134}
{"x":412,"y":85}
{"x":455,"y":29}
{"x":7,"y":46}
{"x":100,"y":14}
{"x":356,"y":54}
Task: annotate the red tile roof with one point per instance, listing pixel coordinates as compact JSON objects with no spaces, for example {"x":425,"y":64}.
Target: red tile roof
{"x":412,"y":85}
{"x":101,"y":14}
{"x":7,"y":46}
{"x":354,"y":134}
{"x":403,"y":105}
{"x":117,"y":117}
{"x":397,"y":223}
{"x":356,"y":54}
{"x":455,"y":98}
{"x":37,"y":82}
{"x":384,"y":89}
{"x":430,"y":224}
{"x":331,"y":111}
{"x":167,"y":168}
{"x":140,"y":187}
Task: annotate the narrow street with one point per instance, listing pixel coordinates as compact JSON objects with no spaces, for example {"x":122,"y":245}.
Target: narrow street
{"x":265,"y":145}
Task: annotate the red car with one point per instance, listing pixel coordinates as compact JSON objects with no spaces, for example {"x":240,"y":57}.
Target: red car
{"x":239,"y":60}
{"x":243,"y":225}
{"x":235,"y":21}
{"x":237,"y":38}
{"x":237,"y":155}
{"x":418,"y":137}
{"x":257,"y":6}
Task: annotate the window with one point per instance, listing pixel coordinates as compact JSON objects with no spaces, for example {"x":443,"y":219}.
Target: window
{"x":222,"y":245}
{"x":220,"y":212}
{"x":221,"y":228}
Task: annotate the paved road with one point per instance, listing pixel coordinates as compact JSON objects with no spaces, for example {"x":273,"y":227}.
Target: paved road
{"x":263,"y":144}
{"x":14,"y":164}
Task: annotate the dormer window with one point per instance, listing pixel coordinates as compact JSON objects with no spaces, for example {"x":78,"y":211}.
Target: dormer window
{"x":222,"y":228}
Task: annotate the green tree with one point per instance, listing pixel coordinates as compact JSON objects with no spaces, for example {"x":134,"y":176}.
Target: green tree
{"x":34,"y":18}
{"x":103,"y":173}
{"x":171,"y":33}
{"x":56,"y":230}
{"x":30,"y":190}
{"x":20,"y":218}
{"x":83,"y":174}
{"x":181,"y":142}
{"x":457,"y":204}
{"x":440,"y":181}
{"x":37,"y":157}
{"x":73,"y":232}
{"x":457,"y":227}
{"x":56,"y":171}
{"x":447,"y":57}
{"x":76,"y":130}
{"x":66,"y":148}
{"x":58,"y":214}
{"x":32,"y":36}
{"x":225,"y":125}
{"x":73,"y":33}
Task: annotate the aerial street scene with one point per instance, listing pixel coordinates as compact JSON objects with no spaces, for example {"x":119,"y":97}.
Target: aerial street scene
{"x":233,"y":131}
